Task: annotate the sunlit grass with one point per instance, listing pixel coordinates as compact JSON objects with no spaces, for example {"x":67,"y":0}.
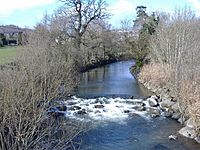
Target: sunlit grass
{"x":7,"y":53}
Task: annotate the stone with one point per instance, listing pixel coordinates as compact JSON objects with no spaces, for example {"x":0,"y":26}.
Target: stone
{"x":176,"y":116}
{"x":126,"y":111}
{"x":197,"y":139}
{"x":173,"y":99}
{"x":166,"y":103}
{"x":62,"y":108}
{"x":82,"y":112}
{"x":154,"y":112}
{"x":71,"y":103}
{"x":56,"y":114}
{"x":139,"y":108}
{"x":99,"y":106}
{"x":134,"y":102}
{"x":175,"y":107}
{"x":152,"y":102}
{"x":172,"y":137}
{"x":154,"y":97}
{"x":168,"y":113}
{"x":187,"y":132}
{"x":73,"y":108}
{"x":101,"y":101}
{"x":190,"y":123}
{"x":182,"y":120}
{"x":97,"y":112}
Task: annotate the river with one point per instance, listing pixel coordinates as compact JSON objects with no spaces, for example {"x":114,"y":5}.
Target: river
{"x":112,"y":129}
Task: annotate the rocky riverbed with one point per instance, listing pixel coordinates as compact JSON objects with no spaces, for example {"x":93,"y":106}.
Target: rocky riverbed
{"x":118,"y":109}
{"x":104,"y":108}
{"x":170,"y":108}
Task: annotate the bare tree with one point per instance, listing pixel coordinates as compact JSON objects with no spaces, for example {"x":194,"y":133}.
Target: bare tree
{"x":81,"y":14}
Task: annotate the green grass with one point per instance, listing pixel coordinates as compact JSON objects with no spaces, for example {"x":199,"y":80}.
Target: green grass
{"x":7,"y":53}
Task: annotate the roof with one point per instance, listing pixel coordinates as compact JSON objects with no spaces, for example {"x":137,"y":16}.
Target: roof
{"x":8,"y":29}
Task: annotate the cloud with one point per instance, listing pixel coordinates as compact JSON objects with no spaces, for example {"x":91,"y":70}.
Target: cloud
{"x":196,"y":5}
{"x":122,"y":7}
{"x":10,"y":6}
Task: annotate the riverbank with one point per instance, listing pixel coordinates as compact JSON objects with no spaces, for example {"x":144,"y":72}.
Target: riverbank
{"x":167,"y":101}
{"x":97,"y":64}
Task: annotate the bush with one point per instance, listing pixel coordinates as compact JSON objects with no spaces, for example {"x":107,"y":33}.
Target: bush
{"x":26,"y":91}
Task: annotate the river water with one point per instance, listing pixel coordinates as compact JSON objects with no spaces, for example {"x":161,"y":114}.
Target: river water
{"x":112,"y":129}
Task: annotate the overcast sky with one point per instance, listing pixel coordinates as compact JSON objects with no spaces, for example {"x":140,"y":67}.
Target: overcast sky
{"x":29,"y":12}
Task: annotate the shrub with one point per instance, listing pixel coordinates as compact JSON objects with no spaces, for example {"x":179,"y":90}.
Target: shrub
{"x":26,"y":92}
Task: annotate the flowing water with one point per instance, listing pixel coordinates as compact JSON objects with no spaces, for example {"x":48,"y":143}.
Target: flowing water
{"x":103,"y":101}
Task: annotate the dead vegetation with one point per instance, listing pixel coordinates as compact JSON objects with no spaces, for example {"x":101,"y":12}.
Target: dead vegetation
{"x":26,"y":92}
{"x":175,"y":48}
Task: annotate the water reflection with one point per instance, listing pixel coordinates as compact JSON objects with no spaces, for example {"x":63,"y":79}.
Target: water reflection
{"x":112,"y":79}
{"x":135,"y":133}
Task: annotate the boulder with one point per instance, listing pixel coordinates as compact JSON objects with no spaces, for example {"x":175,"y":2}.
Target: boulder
{"x":176,"y":116}
{"x":99,"y":106}
{"x":168,"y":113}
{"x":182,"y":120}
{"x":97,"y":112}
{"x":175,"y":107}
{"x":154,"y":97}
{"x":56,"y":114}
{"x":82,"y":112}
{"x":62,"y":108}
{"x":197,"y":139}
{"x":101,"y":101}
{"x":139,"y":108}
{"x":191,"y":123}
{"x":71,"y":103}
{"x":126,"y":111}
{"x":166,"y":103}
{"x":172,"y":137}
{"x":152,"y":102}
{"x":73,"y":108}
{"x":154,"y":112}
{"x":187,"y":132}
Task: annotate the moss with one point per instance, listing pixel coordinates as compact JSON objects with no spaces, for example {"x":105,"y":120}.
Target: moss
{"x":136,"y":68}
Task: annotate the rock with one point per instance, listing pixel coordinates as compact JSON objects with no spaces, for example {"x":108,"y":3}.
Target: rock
{"x":191,"y":123}
{"x":71,"y":103}
{"x":166,"y":103}
{"x":181,"y":120}
{"x":176,"y":116}
{"x":99,"y":106}
{"x":173,"y":99}
{"x":82,"y":112}
{"x":134,"y":102}
{"x":197,"y":139}
{"x":56,"y":114}
{"x":154,"y":112}
{"x":175,"y":107}
{"x":152,"y":102}
{"x":126,"y":111}
{"x":97,"y":112}
{"x":139,"y":108}
{"x":101,"y":101}
{"x":74,"y":108}
{"x":172,"y":137}
{"x":62,"y":108}
{"x":168,"y":113}
{"x":187,"y":132}
{"x":154,"y":97}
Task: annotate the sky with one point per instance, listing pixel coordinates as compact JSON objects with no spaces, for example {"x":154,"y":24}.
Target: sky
{"x":26,"y":13}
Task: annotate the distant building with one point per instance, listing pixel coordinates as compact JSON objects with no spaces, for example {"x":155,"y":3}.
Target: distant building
{"x":13,"y":35}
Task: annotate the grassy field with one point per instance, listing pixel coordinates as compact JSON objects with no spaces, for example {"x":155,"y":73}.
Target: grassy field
{"x":7,"y":53}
